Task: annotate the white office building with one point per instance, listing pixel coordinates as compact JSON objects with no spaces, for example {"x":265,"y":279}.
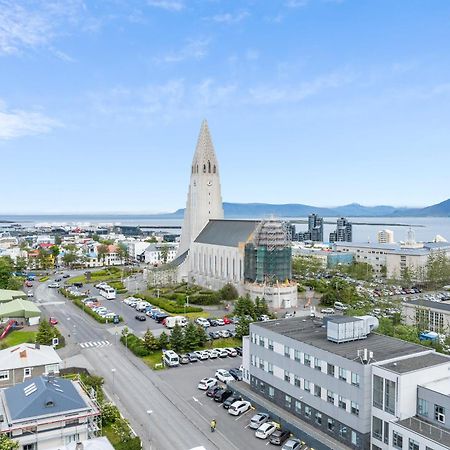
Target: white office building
{"x":385,"y":237}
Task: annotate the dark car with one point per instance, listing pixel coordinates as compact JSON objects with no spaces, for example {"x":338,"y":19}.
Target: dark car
{"x":236,"y":373}
{"x":213,"y":322}
{"x":279,"y":437}
{"x":211,"y":392}
{"x":239,"y":350}
{"x":230,"y":400}
{"x":78,"y":284}
{"x":66,"y":275}
{"x":184,"y":359}
{"x":222,"y":394}
{"x":214,"y":334}
{"x":160,"y":317}
{"x":192,"y":357}
{"x":140,"y":317}
{"x":58,"y":279}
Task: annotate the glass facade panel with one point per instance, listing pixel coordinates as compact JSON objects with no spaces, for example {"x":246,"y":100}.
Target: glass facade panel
{"x":378,"y":392}
{"x":389,"y":396}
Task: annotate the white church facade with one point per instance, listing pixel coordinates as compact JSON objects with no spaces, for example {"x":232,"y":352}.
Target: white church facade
{"x":214,"y":251}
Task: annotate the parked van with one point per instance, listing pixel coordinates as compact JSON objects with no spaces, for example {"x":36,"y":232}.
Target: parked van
{"x":170,"y":322}
{"x":340,"y":306}
{"x":171,"y":359}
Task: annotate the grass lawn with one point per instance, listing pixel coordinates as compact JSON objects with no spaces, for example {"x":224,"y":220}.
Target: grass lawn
{"x":225,"y":342}
{"x":97,"y":276}
{"x":154,"y":358}
{"x":113,"y":437}
{"x":18,"y":337}
{"x":193,"y":316}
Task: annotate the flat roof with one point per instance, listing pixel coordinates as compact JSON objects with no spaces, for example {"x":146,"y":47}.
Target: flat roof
{"x":314,"y":333}
{"x":429,"y":304}
{"x":438,"y":434}
{"x":414,"y":363}
{"x":441,"y":386}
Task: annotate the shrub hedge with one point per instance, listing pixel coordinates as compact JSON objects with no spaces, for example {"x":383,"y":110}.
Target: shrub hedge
{"x":135,"y":344}
{"x":169,"y":305}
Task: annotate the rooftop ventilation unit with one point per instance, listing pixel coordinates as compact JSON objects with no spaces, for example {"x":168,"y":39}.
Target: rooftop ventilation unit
{"x":346,"y":329}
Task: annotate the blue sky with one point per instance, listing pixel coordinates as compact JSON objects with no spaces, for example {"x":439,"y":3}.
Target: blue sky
{"x":322,"y":102}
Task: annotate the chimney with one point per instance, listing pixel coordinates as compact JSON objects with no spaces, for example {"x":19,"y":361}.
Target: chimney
{"x":37,"y":346}
{"x":23,"y":354}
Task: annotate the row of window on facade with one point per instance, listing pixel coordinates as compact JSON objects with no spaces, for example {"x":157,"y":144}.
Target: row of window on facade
{"x":204,"y":264}
{"x":206,"y":168}
{"x":434,"y":321}
{"x":50,"y":368}
{"x":312,"y":388}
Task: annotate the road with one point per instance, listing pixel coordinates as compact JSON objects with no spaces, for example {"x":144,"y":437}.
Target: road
{"x":175,"y":422}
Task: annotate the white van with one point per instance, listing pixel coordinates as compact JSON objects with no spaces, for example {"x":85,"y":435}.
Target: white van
{"x":170,"y":322}
{"x":171,"y":359}
{"x":340,"y":306}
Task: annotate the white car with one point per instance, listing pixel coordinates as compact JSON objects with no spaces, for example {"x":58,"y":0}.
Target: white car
{"x":203,"y":322}
{"x":221,"y":352}
{"x":224,"y":333}
{"x":265,"y":430}
{"x":202,"y":355}
{"x":53,"y":285}
{"x":213,"y":354}
{"x":327,"y":311}
{"x":239,"y":407}
{"x":231,"y":351}
{"x":220,"y":322}
{"x":30,"y":294}
{"x":224,"y":376}
{"x":205,"y":383}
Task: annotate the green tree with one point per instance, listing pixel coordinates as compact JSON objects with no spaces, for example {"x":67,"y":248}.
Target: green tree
{"x":306,"y":266}
{"x":20,"y":264}
{"x":243,"y":327}
{"x":69,"y":258}
{"x":58,"y":240}
{"x":228,"y":292}
{"x":110,"y":413}
{"x":406,"y":275}
{"x":261,"y":307}
{"x":122,"y":252}
{"x":7,"y":444}
{"x":164,"y":253}
{"x":45,"y":333}
{"x":6,"y":270}
{"x":244,"y":306}
{"x":96,"y":237}
{"x":102,"y":251}
{"x":438,"y":269}
{"x":176,"y":338}
{"x":201,"y":335}
{"x":43,"y":258}
{"x":191,"y":337}
{"x":150,"y":341}
{"x":164,"y":340}
{"x":54,"y":250}
{"x":359,"y":270}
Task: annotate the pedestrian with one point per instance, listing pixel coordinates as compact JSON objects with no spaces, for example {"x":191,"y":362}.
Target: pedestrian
{"x":213,"y":425}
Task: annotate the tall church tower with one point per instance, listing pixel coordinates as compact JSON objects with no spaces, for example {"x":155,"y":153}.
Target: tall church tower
{"x":204,"y":199}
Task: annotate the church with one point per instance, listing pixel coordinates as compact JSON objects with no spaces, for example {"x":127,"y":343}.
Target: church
{"x":253,"y":255}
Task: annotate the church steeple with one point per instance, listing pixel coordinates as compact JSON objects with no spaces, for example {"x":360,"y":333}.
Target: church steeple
{"x":204,"y":200}
{"x":205,"y":160}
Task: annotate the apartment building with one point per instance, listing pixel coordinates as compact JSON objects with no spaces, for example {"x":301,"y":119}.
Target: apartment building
{"x":322,"y":372}
{"x":385,"y":237}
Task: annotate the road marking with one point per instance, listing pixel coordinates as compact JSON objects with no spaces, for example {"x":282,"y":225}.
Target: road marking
{"x":96,"y":344}
{"x":243,"y":414}
{"x":196,"y":400}
{"x":268,"y":443}
{"x":246,"y":426}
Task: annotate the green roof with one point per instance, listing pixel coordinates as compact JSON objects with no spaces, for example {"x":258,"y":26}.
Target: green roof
{"x":6,"y":295}
{"x":19,"y":308}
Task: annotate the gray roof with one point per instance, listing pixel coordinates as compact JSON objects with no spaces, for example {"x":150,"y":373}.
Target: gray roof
{"x":229,"y":233}
{"x":440,"y":435}
{"x":312,"y":332}
{"x":179,"y":259}
{"x":415,"y":363}
{"x":42,"y":392}
{"x":429,"y":304}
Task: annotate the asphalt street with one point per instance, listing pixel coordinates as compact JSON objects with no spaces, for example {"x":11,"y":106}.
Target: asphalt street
{"x":176,"y":421}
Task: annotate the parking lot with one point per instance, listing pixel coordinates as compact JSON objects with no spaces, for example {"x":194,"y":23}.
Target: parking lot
{"x":184,"y":381}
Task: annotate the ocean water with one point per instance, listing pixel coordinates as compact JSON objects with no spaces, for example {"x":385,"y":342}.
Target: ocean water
{"x":425,"y":228}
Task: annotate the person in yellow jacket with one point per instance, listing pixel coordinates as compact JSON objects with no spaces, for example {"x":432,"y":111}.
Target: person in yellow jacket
{"x":213,"y":425}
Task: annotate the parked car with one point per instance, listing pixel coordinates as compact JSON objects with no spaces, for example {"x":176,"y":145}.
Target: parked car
{"x":211,"y":392}
{"x":227,"y":320}
{"x":66,"y":275}
{"x":53,"y":321}
{"x":192,"y":357}
{"x":214,"y":334}
{"x":230,"y":400}
{"x":58,"y":279}
{"x":29,"y":284}
{"x":78,"y":284}
{"x":231,"y":351}
{"x":222,"y":394}
{"x":203,"y":322}
{"x":224,"y":376}
{"x":30,"y":294}
{"x":236,"y":373}
{"x":264,"y":318}
{"x":265,"y":430}
{"x":257,"y":420}
{"x":221,"y":352}
{"x":239,"y":350}
{"x":292,"y":444}
{"x":239,"y":407}
{"x":224,"y":333}
{"x":205,"y":383}
{"x":140,"y":317}
{"x":184,"y":359}
{"x":51,"y":285}
{"x":327,"y":311}
{"x":202,"y":355}
{"x":220,"y":322}
{"x":213,"y":322}
{"x":278,"y":437}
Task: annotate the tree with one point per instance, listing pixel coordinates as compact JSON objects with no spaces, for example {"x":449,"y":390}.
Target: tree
{"x":58,"y":240}
{"x":306,"y":266}
{"x":7,"y":444}
{"x":261,"y":307}
{"x":244,"y":306}
{"x":150,"y":341}
{"x":21,"y":264}
{"x":122,"y":252}
{"x":164,"y":253}
{"x":6,"y":269}
{"x":102,"y":251}
{"x":191,"y":337}
{"x":69,"y":258}
{"x":176,"y":338}
{"x":54,"y":250}
{"x":45,"y":333}
{"x":228,"y":292}
{"x":163,"y":340}
{"x":44,"y":259}
{"x":243,"y":327}
{"x":201,"y":335}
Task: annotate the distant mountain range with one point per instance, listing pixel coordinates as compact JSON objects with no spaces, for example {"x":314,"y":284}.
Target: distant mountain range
{"x":248,"y":210}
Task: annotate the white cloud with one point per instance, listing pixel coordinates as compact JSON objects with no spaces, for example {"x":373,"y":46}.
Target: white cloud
{"x":228,"y":18}
{"x":169,"y":5}
{"x":296,"y":3}
{"x":18,"y":123}
{"x":194,"y":49}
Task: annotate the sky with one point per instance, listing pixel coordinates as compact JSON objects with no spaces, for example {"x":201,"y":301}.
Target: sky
{"x":321,"y":102}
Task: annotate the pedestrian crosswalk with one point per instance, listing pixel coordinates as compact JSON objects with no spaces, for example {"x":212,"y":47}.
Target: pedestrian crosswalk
{"x":95,"y":344}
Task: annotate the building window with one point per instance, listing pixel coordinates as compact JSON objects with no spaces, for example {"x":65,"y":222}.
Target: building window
{"x":318,"y":417}
{"x":422,"y":407}
{"x":307,"y":386}
{"x":261,"y":341}
{"x":307,"y":360}
{"x":377,"y":428}
{"x":252,"y":360}
{"x":298,"y":407}
{"x":52,"y":368}
{"x":330,"y":397}
{"x":397,"y":440}
{"x":317,"y":391}
{"x":261,"y":364}
{"x":330,"y":425}
{"x":271,"y":392}
{"x":297,"y":380}
{"x":439,"y":413}
{"x":27,"y":372}
{"x":355,"y":439}
{"x":378,"y":392}
{"x":287,"y":376}
{"x":4,"y":375}
{"x":354,"y":408}
{"x":343,"y":431}
{"x":287,"y":351}
{"x":342,"y":374}
{"x":288,"y":401}
{"x":308,"y":412}
{"x":298,"y":355}
{"x":270,"y":368}
{"x":413,"y":445}
{"x":386,"y":432}
{"x":330,"y":369}
{"x":270,"y":344}
{"x":253,"y":336}
{"x":355,"y":379}
{"x":317,"y":364}
{"x":389,"y":397}
{"x":342,"y":403}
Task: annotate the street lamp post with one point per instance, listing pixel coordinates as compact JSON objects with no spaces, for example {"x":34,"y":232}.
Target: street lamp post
{"x":149,"y":412}
{"x":113,"y":371}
